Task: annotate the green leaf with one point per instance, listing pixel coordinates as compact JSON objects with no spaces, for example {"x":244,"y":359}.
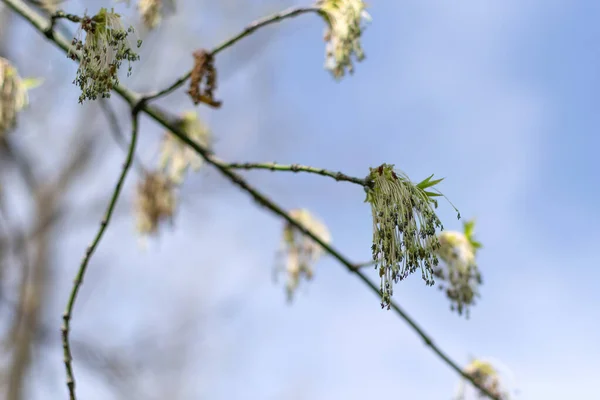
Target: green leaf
{"x":469,"y":228}
{"x":32,"y":83}
{"x":476,"y":244}
{"x":428,"y":182}
{"x":432,"y":194}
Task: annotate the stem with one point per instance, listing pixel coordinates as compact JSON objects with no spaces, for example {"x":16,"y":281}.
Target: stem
{"x":338,"y":176}
{"x":268,"y":20}
{"x":66,"y":327}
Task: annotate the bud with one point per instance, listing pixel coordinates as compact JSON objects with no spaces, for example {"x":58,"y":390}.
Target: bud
{"x":404,"y":228}
{"x":342,"y":35}
{"x":105,"y":48}
{"x":176,"y":156}
{"x":13,"y":96}
{"x":154,"y":203}
{"x":459,"y":273}
{"x":299,"y":250}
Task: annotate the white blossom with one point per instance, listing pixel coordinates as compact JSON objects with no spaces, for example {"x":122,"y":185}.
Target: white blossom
{"x":299,"y":250}
{"x":342,"y":36}
{"x":176,"y":156}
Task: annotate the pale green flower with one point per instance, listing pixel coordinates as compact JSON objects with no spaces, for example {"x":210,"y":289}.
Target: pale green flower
{"x":176,"y":156}
{"x":459,"y":271}
{"x":105,"y":48}
{"x":404,"y":227}
{"x":300,"y":251}
{"x":342,"y":36}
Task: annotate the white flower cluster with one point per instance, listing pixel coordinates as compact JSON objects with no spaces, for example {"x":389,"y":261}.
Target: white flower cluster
{"x":300,"y":251}
{"x":344,"y":27}
{"x":459,"y":273}
{"x":176,"y":156}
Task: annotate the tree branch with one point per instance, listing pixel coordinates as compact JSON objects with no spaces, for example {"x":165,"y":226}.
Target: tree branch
{"x":268,"y":20}
{"x":338,"y":176}
{"x":65,"y":329}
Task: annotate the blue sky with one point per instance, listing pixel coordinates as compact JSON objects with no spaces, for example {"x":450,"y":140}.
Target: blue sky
{"x":498,"y":97}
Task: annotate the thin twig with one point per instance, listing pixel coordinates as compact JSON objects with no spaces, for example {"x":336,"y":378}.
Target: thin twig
{"x":268,"y":20}
{"x":65,"y":329}
{"x":338,"y":176}
{"x":136,"y":100}
{"x":117,"y":133}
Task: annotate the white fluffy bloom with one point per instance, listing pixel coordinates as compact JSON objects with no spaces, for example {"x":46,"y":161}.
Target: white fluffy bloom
{"x":176,"y":156}
{"x":151,"y":12}
{"x":300,"y":251}
{"x":342,"y":36}
{"x":459,"y":273}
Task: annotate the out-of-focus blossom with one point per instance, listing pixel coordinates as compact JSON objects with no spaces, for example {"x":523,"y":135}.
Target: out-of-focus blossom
{"x":459,"y":273}
{"x":301,"y":252}
{"x":176,"y":156}
{"x":13,"y":94}
{"x":151,"y":12}
{"x":487,"y":375}
{"x":155,"y":202}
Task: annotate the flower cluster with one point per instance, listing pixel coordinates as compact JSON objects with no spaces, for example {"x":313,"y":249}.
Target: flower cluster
{"x":176,"y":156}
{"x":404,"y":227}
{"x":486,"y":376}
{"x":155,"y":202}
{"x":13,"y":95}
{"x":342,"y":35}
{"x":459,"y":273}
{"x":151,"y":12}
{"x":106,"y":46}
{"x":301,"y":252}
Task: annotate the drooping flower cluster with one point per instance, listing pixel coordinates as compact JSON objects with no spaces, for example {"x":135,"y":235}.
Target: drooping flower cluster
{"x":106,"y":46}
{"x":344,"y":20}
{"x":176,"y":156}
{"x":404,"y":227}
{"x":459,"y":271}
{"x":151,"y":12}
{"x":154,"y":203}
{"x":487,"y":376}
{"x":299,"y":250}
{"x":13,"y":95}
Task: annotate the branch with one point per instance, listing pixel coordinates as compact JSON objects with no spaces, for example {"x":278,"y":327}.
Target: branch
{"x":338,"y":176}
{"x":268,"y":20}
{"x":138,"y":102}
{"x":65,"y":329}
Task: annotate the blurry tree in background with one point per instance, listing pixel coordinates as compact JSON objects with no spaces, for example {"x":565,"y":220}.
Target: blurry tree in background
{"x":58,"y":160}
